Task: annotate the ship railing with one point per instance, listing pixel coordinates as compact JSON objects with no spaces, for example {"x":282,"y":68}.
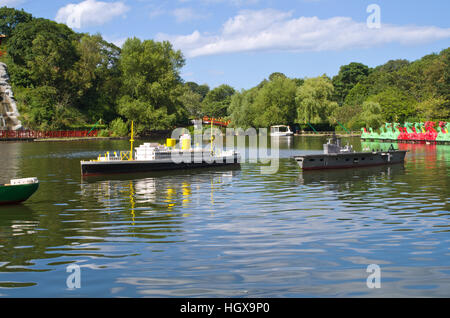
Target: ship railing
{"x":125,"y":155}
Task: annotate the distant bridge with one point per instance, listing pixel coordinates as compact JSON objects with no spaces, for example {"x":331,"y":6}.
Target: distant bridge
{"x":218,"y":122}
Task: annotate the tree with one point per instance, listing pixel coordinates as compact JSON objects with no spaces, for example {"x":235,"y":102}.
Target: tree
{"x":313,"y":100}
{"x":372,"y":114}
{"x":217,"y":101}
{"x":396,"y":105}
{"x":348,"y":76}
{"x":21,"y":47}
{"x":357,"y":95}
{"x":274,"y":75}
{"x":392,"y":66}
{"x":10,"y":18}
{"x":433,"y":109}
{"x":42,"y":109}
{"x":151,"y":84}
{"x":242,"y":111}
{"x":202,"y":90}
{"x":192,"y":102}
{"x":349,"y":116}
{"x":96,"y":77}
{"x":274,"y":103}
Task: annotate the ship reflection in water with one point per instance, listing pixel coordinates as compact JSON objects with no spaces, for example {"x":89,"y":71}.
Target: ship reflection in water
{"x":157,"y":192}
{"x":351,"y":179}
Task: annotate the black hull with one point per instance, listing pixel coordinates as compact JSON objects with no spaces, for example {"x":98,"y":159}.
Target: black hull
{"x":106,"y":168}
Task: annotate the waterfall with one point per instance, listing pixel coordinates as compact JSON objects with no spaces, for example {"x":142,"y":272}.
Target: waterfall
{"x":9,"y":115}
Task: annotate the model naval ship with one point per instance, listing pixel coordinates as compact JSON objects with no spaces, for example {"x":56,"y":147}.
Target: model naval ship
{"x":155,"y":157}
{"x":336,"y":157}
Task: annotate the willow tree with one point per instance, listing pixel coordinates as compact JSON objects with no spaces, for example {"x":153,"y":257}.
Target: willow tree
{"x":313,"y":98}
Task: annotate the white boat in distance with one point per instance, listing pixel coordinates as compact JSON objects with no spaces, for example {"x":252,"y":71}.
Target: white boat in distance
{"x":280,"y":130}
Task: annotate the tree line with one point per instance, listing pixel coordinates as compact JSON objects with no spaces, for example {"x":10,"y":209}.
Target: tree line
{"x":64,"y":79}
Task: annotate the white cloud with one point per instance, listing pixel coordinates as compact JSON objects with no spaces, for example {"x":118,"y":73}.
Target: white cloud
{"x":10,"y":3}
{"x":90,"y":13}
{"x":238,"y":3}
{"x":272,"y":30}
{"x":186,"y":14}
{"x":117,"y":41}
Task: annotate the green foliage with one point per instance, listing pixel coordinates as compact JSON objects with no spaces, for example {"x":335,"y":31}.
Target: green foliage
{"x":275,"y":75}
{"x":96,"y":78}
{"x":396,"y":105}
{"x":151,"y":84}
{"x":118,"y":128}
{"x":242,"y":112}
{"x":81,"y":69}
{"x":28,"y":43}
{"x":192,"y":102}
{"x":433,"y":109}
{"x":10,"y":18}
{"x":202,"y":90}
{"x":144,"y":115}
{"x":269,"y":104}
{"x":65,"y":79}
{"x":349,"y":116}
{"x":313,"y":99}
{"x":372,"y":114}
{"x":216,"y":102}
{"x":348,"y":76}
{"x":104,"y":133}
{"x":275,"y":102}
{"x":41,"y":109}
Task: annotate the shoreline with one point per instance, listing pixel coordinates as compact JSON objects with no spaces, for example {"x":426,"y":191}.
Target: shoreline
{"x":61,"y":139}
{"x":68,"y":139}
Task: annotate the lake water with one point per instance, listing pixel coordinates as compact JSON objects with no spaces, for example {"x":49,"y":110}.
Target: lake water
{"x":226,"y":232}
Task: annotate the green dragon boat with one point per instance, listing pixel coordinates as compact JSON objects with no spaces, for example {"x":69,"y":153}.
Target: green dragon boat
{"x":18,"y":190}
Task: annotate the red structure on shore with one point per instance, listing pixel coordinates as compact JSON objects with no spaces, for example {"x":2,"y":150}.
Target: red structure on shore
{"x":32,"y":134}
{"x":218,"y":122}
{"x":2,"y":37}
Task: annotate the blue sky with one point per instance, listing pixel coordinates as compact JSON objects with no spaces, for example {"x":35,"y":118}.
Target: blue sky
{"x":241,"y":42}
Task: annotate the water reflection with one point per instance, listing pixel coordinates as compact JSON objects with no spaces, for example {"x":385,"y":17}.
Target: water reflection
{"x":230,"y":233}
{"x":356,"y":179}
{"x":161,"y":191}
{"x":11,"y":153}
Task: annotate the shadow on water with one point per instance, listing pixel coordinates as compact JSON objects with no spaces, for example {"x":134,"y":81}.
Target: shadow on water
{"x":15,"y":214}
{"x":160,"y":174}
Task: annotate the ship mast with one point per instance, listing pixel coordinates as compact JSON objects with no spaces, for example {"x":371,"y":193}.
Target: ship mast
{"x":131,"y":142}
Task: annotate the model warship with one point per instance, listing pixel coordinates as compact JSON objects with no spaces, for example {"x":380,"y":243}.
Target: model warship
{"x":337,"y":157}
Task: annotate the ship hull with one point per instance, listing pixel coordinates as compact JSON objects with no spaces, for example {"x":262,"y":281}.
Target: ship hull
{"x":14,"y":194}
{"x":350,"y":160}
{"x":93,"y":168}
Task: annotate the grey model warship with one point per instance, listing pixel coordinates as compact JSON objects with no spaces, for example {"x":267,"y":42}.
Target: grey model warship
{"x":337,"y":157}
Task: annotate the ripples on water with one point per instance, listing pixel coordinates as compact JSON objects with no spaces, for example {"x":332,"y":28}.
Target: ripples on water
{"x":221,"y":232}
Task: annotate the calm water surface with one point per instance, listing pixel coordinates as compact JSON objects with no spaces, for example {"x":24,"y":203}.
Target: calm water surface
{"x":226,"y":233}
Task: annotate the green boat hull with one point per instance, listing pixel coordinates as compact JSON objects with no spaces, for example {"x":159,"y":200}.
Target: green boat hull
{"x":14,"y":194}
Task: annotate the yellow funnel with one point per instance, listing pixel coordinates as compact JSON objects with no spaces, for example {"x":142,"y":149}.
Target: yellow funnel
{"x":170,"y":142}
